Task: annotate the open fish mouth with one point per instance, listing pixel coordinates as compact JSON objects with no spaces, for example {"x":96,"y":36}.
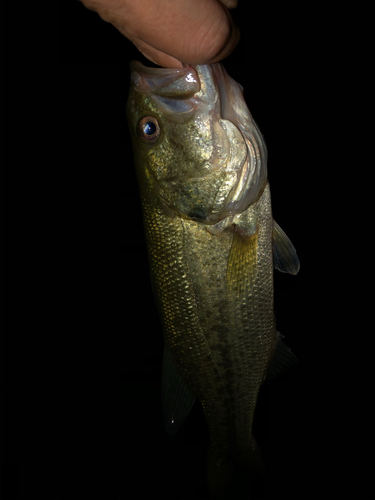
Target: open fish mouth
{"x":209,"y":92}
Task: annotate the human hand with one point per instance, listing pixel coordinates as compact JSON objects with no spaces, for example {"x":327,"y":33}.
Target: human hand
{"x":172,"y":32}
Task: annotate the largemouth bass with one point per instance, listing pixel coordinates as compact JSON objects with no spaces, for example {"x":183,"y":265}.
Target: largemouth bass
{"x":201,"y":164}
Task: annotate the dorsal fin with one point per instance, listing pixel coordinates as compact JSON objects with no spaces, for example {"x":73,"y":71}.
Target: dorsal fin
{"x":284,"y":254}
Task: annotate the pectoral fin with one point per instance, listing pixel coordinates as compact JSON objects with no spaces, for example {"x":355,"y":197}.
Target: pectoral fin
{"x":177,"y":399}
{"x":284,"y":254}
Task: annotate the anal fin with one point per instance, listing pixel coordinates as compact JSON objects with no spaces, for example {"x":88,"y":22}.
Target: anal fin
{"x":177,"y":399}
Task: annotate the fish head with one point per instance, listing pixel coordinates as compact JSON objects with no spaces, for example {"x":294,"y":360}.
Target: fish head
{"x":196,"y":145}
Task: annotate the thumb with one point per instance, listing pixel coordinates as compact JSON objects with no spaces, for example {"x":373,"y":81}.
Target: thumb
{"x":169,"y":32}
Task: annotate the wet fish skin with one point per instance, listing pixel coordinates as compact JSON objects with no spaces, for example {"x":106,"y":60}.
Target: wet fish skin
{"x":209,"y":229}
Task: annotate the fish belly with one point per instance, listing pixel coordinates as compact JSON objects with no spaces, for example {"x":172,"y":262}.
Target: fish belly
{"x":215,"y":295}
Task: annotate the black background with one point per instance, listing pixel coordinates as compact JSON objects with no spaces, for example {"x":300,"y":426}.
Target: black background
{"x":99,"y":403}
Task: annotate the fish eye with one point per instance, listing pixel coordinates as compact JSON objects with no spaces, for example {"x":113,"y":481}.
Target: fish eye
{"x":148,"y":129}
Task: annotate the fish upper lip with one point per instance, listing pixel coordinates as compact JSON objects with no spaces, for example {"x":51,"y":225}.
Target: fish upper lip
{"x":218,"y":76}
{"x":171,"y":83}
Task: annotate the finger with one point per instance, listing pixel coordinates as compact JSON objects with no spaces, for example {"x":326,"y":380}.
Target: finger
{"x":154,"y":55}
{"x":193,"y":32}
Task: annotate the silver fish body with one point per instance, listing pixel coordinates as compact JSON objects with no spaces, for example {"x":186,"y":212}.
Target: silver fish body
{"x":201,"y":163}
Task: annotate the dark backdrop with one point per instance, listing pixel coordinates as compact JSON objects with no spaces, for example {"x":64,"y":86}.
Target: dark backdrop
{"x":104,"y":427}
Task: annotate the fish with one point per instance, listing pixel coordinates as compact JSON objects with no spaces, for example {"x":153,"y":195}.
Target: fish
{"x":201,"y":165}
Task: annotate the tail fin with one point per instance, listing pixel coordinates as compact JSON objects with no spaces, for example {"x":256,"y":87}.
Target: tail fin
{"x":236,"y":477}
